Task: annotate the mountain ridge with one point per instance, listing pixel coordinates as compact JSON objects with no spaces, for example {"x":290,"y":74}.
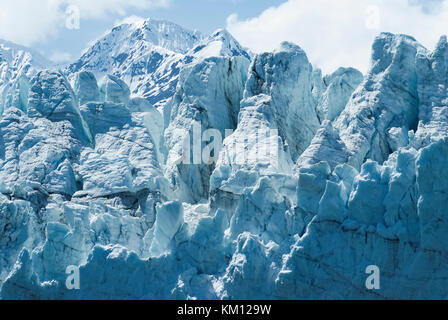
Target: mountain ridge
{"x":149,"y":55}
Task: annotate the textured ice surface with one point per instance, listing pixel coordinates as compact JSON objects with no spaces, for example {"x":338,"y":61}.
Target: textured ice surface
{"x":208,"y":97}
{"x":385,"y":103}
{"x":287,"y":76}
{"x":336,"y":90}
{"x":320,"y":177}
{"x":17,"y":65}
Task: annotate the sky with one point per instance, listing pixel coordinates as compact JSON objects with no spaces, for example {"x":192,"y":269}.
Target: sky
{"x":333,"y":32}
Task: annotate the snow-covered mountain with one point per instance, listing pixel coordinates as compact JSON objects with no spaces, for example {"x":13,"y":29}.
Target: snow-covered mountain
{"x":317,"y":179}
{"x":149,"y":54}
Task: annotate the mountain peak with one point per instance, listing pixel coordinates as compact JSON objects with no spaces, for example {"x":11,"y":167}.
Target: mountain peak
{"x":219,"y":43}
{"x":223,"y":33}
{"x":165,"y":34}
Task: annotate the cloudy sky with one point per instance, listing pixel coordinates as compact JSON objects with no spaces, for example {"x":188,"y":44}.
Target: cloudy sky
{"x":333,"y":33}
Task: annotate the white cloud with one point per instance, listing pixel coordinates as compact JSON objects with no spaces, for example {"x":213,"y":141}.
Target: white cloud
{"x":340,"y":33}
{"x":102,"y":8}
{"x":61,"y":57}
{"x":129,"y":20}
{"x":30,"y":21}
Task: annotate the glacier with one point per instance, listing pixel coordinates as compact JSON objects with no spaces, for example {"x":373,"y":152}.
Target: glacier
{"x":317,"y":177}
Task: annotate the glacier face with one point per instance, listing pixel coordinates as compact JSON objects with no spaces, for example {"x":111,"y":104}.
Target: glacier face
{"x":316,"y":179}
{"x":17,"y":65}
{"x":194,"y":110}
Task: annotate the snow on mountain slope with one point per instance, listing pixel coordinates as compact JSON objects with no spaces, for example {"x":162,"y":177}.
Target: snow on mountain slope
{"x":148,"y":55}
{"x":320,"y":177}
{"x":16,"y":60}
{"x":219,"y":44}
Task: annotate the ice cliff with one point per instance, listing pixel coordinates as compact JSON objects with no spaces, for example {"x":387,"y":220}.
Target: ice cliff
{"x":317,"y":178}
{"x":17,"y":65}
